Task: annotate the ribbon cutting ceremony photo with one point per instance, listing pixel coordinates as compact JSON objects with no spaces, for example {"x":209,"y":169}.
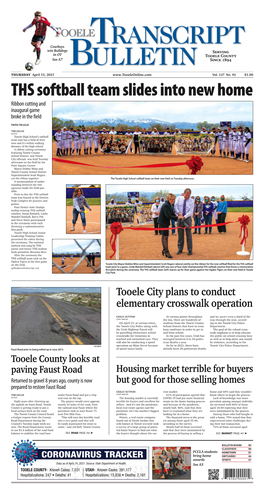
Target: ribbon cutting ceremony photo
{"x":196,"y":222}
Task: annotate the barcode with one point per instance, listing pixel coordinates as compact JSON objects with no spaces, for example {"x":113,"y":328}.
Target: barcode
{"x":237,"y":473}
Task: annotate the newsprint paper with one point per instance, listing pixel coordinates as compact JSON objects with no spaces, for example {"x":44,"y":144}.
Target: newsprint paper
{"x":131,"y":288}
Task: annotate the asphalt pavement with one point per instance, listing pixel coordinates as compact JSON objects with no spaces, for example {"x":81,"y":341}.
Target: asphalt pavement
{"x":41,"y":320}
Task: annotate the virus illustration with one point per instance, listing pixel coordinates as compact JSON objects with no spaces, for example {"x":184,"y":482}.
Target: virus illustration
{"x":25,"y":452}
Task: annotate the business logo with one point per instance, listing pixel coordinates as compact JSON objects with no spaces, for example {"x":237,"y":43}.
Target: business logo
{"x":25,"y":452}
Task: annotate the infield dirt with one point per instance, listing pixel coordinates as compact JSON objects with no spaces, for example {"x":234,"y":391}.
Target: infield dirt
{"x":144,"y":245}
{"x":93,"y":221}
{"x":139,"y":164}
{"x":70,"y":263}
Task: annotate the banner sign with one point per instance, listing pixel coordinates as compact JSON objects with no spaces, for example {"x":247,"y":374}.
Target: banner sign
{"x":199,"y":144}
{"x":156,"y":144}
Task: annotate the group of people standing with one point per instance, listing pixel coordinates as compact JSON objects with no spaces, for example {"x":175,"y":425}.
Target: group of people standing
{"x":172,"y":462}
{"x":90,"y":259}
{"x":72,"y":141}
{"x":206,"y":210}
{"x":233,"y":143}
{"x":182,"y":210}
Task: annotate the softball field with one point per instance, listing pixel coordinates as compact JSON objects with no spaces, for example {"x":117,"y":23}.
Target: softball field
{"x":93,"y":221}
{"x":70,"y":263}
{"x":135,"y":164}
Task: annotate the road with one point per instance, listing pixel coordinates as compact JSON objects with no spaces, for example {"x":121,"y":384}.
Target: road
{"x":41,"y":320}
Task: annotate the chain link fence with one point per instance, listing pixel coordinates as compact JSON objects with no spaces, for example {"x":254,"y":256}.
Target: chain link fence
{"x":84,"y":256}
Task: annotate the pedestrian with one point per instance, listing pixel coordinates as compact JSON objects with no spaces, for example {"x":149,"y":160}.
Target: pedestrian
{"x":197,"y":214}
{"x":184,"y":210}
{"x":208,"y":208}
{"x":155,"y":209}
{"x":166,"y":214}
{"x":79,"y":205}
{"x":221,"y":211}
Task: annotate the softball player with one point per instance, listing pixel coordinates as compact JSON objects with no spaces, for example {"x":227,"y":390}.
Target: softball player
{"x":217,"y":133}
{"x":230,"y":143}
{"x":247,"y":143}
{"x":96,"y":138}
{"x":64,"y":137}
{"x":220,"y":134}
{"x":67,"y":142}
{"x":83,"y":141}
{"x":57,"y":138}
{"x":89,"y":135}
{"x":240,"y":144}
{"x":235,"y":143}
{"x":70,"y":140}
{"x":225,"y":145}
{"x":213,"y":134}
{"x":76,"y":136}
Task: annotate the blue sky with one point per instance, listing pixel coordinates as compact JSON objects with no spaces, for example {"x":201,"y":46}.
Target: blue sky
{"x":55,"y":290}
{"x":235,"y":190}
{"x":63,"y":246}
{"x":212,"y":112}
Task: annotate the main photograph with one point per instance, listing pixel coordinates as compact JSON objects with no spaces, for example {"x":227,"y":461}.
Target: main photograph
{"x":146,"y":138}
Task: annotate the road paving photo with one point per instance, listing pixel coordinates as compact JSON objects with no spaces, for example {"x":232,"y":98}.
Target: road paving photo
{"x":44,"y":320}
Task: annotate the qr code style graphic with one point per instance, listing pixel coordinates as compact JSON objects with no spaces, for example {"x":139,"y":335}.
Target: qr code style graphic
{"x":213,"y":474}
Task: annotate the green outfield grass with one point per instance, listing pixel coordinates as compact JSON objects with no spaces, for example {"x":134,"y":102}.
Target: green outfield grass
{"x":93,"y":201}
{"x":240,"y":210}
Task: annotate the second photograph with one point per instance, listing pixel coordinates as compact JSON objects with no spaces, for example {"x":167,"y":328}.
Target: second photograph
{"x":200,"y":222}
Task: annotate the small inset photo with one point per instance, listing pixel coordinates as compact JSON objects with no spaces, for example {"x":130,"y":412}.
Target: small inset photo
{"x":56,"y":316}
{"x":76,"y":256}
{"x":171,"y":463}
{"x":83,"y":209}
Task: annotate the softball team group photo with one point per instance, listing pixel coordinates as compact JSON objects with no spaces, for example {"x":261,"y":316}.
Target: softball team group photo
{"x":146,"y":139}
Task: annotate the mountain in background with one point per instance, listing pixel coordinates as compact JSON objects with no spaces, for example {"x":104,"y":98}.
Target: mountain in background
{"x":147,"y":122}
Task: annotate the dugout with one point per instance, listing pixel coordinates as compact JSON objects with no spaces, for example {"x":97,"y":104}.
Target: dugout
{"x":68,"y":255}
{"x":240,"y":204}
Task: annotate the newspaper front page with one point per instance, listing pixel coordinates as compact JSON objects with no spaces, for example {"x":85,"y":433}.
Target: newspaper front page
{"x":133,"y":345}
